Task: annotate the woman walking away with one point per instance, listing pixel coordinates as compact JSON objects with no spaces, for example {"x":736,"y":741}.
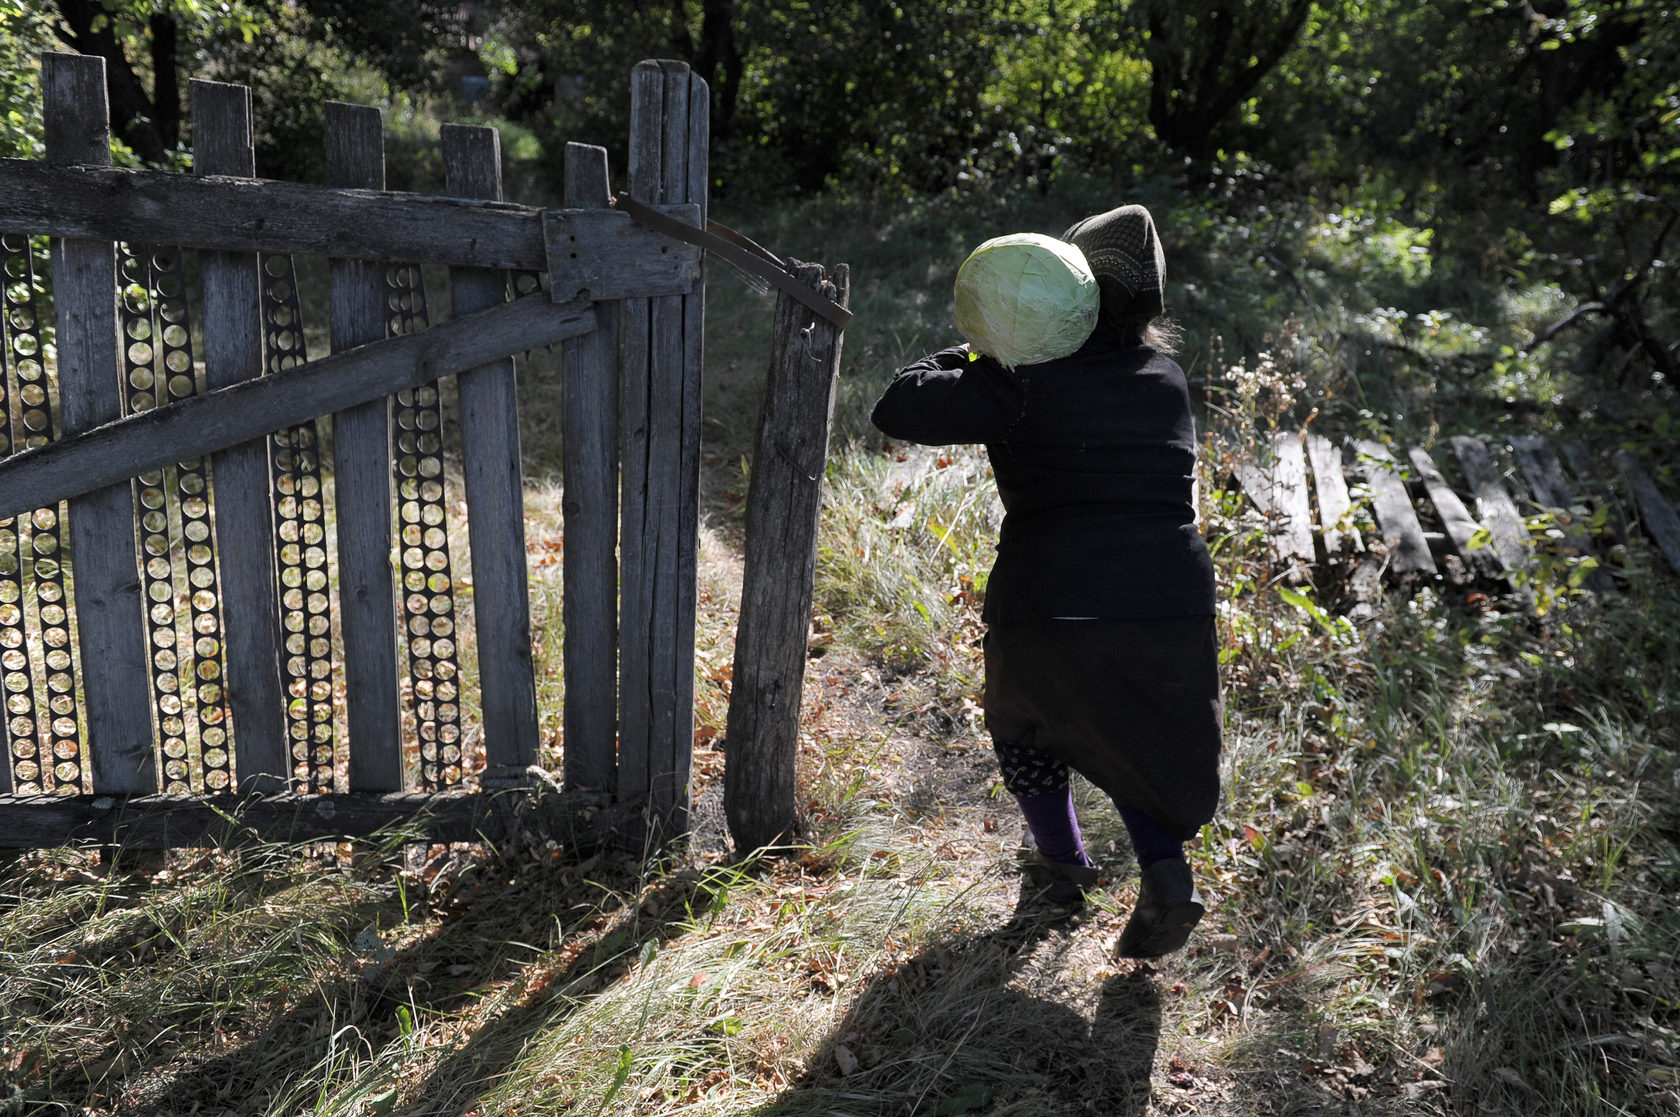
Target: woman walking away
{"x":1101,"y":655}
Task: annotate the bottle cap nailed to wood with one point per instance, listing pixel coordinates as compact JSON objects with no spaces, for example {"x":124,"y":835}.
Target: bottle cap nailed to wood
{"x":1026,"y":298}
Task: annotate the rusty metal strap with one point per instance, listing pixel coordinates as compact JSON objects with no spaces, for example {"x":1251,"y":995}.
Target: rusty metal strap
{"x":738,"y":250}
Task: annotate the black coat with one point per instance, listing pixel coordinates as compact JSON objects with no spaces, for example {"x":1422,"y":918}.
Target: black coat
{"x":1095,"y":458}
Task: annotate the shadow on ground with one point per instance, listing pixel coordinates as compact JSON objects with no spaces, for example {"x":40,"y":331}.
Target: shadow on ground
{"x":958,"y":1029}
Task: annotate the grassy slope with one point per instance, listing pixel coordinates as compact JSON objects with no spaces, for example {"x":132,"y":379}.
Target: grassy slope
{"x":1439,"y":873}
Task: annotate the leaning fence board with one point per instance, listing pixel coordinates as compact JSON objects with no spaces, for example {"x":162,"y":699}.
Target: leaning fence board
{"x":590,"y":510}
{"x":222,"y":144}
{"x":116,"y":683}
{"x":1493,"y":504}
{"x":1330,"y":485}
{"x":204,"y":424}
{"x":1655,"y":512}
{"x":1408,"y":551}
{"x":1460,"y":526}
{"x":362,"y":482}
{"x":784,"y":502}
{"x":495,"y":493}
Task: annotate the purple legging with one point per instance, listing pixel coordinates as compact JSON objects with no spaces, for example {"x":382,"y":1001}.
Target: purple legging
{"x":1041,"y":788}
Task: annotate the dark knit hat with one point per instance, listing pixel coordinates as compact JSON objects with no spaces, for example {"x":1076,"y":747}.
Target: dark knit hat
{"x":1125,"y":255}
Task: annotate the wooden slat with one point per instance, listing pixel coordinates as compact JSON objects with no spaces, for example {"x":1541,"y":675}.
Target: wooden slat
{"x":228,"y":416}
{"x":1494,"y":506}
{"x":1289,"y":476}
{"x":176,"y":821}
{"x":239,"y":215}
{"x":1278,"y":490}
{"x":1544,"y":472}
{"x":670,"y":730}
{"x":1597,"y":488}
{"x":590,"y":511}
{"x":230,"y":214}
{"x":1408,"y":552}
{"x":244,"y":522}
{"x":1456,"y":520}
{"x":784,"y":504}
{"x":688,"y":184}
{"x":362,"y":482}
{"x":638,"y":508}
{"x":495,"y":493}
{"x":1330,"y":485}
{"x":1655,"y":512}
{"x":115,"y":674}
{"x":605,"y":255}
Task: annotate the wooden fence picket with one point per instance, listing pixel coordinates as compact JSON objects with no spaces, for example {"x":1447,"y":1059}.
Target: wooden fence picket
{"x":362,"y":482}
{"x":233,"y":351}
{"x":659,"y":541}
{"x":116,"y":683}
{"x":495,"y":496}
{"x":590,"y":516}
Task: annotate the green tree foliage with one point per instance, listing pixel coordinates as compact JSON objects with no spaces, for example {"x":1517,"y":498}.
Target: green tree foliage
{"x":24,"y":34}
{"x":142,"y":43}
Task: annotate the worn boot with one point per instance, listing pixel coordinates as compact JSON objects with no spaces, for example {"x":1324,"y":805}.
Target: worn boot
{"x":1060,"y":882}
{"x":1168,"y":907}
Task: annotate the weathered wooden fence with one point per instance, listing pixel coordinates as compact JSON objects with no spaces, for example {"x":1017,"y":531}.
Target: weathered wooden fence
{"x":1428,"y":529}
{"x":187,"y":653}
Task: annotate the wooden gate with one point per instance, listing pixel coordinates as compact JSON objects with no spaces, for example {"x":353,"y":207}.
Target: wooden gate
{"x":224,"y":614}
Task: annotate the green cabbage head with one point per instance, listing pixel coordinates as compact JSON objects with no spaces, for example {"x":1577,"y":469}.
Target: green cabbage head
{"x":1026,"y":298}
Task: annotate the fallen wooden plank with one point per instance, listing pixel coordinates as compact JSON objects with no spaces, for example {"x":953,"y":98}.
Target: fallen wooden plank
{"x":1597,"y":488}
{"x":1655,"y":512}
{"x":1279,"y":491}
{"x":1544,"y":473}
{"x":1456,"y":521}
{"x":1408,"y":551}
{"x":1330,"y":484}
{"x":184,"y":821}
{"x":228,"y":416}
{"x":1494,"y":507}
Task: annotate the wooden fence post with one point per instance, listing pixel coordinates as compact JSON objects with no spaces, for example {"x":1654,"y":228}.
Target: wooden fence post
{"x":244,"y":518}
{"x":659,"y":540}
{"x":495,"y":492}
{"x":590,"y":517}
{"x":784,"y":503}
{"x":362,"y":482}
{"x":116,"y":686}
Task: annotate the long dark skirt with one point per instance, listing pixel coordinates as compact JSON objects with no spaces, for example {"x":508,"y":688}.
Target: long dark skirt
{"x":1132,"y":705}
